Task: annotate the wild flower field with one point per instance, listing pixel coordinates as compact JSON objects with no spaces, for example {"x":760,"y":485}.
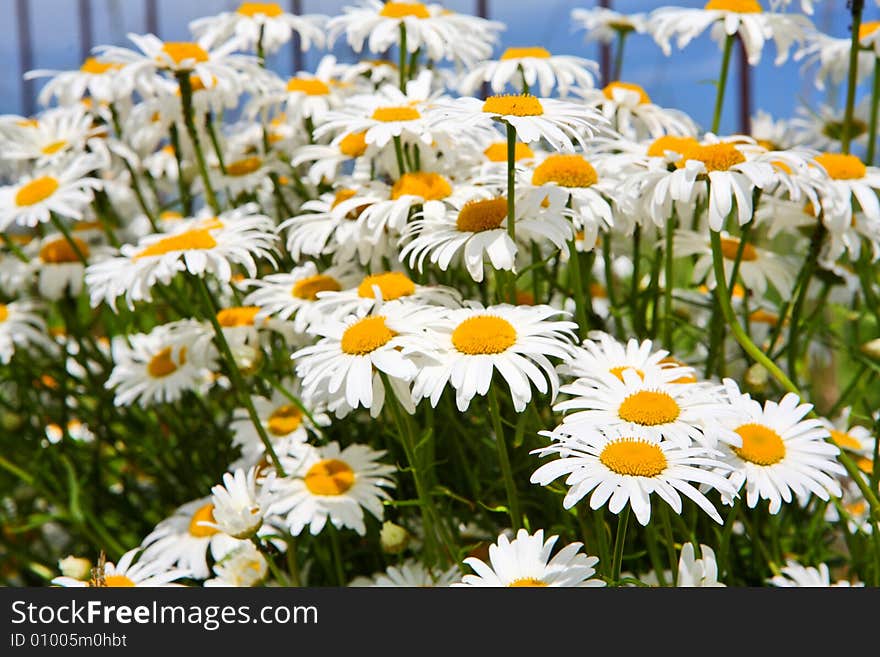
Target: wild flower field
{"x":472,"y":316}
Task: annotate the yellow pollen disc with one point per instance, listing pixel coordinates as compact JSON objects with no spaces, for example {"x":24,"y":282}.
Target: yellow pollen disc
{"x":633,"y":457}
{"x":716,"y":157}
{"x":565,"y":171}
{"x":308,"y":86}
{"x":182,"y":51}
{"x":598,"y":291}
{"x":354,"y":145}
{"x":766,"y":144}
{"x":842,"y":167}
{"x":644,"y":98}
{"x":404,"y":9}
{"x":4,"y":312}
{"x":60,"y":251}
{"x":196,"y":83}
{"x":618,"y":371}
{"x":730,"y":246}
{"x":366,"y":336}
{"x":649,"y":408}
{"x":739,"y":6}
{"x":82,"y":226}
{"x":477,"y":216}
{"x":284,"y":420}
{"x":268,"y":9}
{"x":161,"y":364}
{"x":843,"y":439}
{"x":203,"y":514}
{"x":761,"y":445}
{"x":117,"y":581}
{"x":392,"y":285}
{"x":868,"y":28}
{"x":521,"y":105}
{"x":198,"y":239}
{"x":342,"y":196}
{"x":329,"y":477}
{"x":526,"y":582}
{"x":244,"y":167}
{"x":308,"y":288}
{"x":170,"y":215}
{"x":483,"y":334}
{"x":497,"y":152}
{"x":54,"y":147}
{"x":856,"y":508}
{"x":95,"y":67}
{"x":38,"y":189}
{"x":389,"y":114}
{"x":28,"y":123}
{"x":519,"y":53}
{"x":672,"y":143}
{"x":429,"y":186}
{"x":238,"y":316}
{"x":762,"y":316}
{"x":866,"y":465}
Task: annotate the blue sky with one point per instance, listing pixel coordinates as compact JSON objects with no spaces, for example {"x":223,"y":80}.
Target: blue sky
{"x":682,"y":80}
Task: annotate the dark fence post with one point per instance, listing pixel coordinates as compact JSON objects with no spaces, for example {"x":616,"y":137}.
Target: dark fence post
{"x":86,"y":39}
{"x":745,"y":91}
{"x":605,"y":52}
{"x":296,"y":46}
{"x":151,"y":17}
{"x":25,"y":54}
{"x":482,"y":10}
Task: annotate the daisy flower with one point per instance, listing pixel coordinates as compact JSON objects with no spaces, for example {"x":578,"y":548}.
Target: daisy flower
{"x":211,"y":245}
{"x":243,"y":566}
{"x":305,"y":95}
{"x":410,"y":574}
{"x":161,"y":365}
{"x":693,"y":572}
{"x":647,"y":403}
{"x":328,"y":159}
{"x":628,"y":108}
{"x":726,"y":18}
{"x":21,"y":326}
{"x":780,"y":453}
{"x":605,"y":25}
{"x":518,"y":341}
{"x":772,"y":134}
{"x":65,"y":191}
{"x":126,"y":572}
{"x":58,"y":134}
{"x":59,"y":269}
{"x":625,"y":466}
{"x":94,"y":79}
{"x":851,"y":185}
{"x":855,"y":439}
{"x":240,"y":504}
{"x":794,"y":574}
{"x":329,"y":483}
{"x":822,"y":128}
{"x":263,"y":23}
{"x":525,"y":562}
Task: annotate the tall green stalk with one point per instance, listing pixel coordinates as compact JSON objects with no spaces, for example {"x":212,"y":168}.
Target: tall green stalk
{"x":186,"y":103}
{"x":856,"y":7}
{"x":722,"y":81}
{"x":875,"y":105}
{"x":504,"y":461}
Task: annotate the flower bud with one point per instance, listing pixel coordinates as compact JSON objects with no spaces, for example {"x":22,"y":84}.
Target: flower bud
{"x":393,"y":538}
{"x":76,"y":567}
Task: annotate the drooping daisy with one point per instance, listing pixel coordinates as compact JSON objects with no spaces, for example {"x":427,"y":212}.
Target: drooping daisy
{"x":243,"y":566}
{"x":629,"y":110}
{"x":59,"y":134}
{"x":126,"y":573}
{"x":208,"y":245}
{"x":647,"y":403}
{"x":525,"y":562}
{"x":240,"y":503}
{"x":855,"y":439}
{"x":329,"y":483}
{"x":693,"y":572}
{"x":781,"y":453}
{"x":410,"y":574}
{"x":832,"y":56}
{"x":517,"y":341}
{"x":794,"y":574}
{"x":621,"y":466}
{"x":21,"y":326}
{"x":605,"y":25}
{"x":263,"y":23}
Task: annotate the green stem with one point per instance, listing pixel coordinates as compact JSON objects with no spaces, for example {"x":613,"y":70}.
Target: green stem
{"x":6,"y":240}
{"x":618,"y":56}
{"x":64,"y":230}
{"x":856,"y":7}
{"x":810,"y":266}
{"x":401,"y":64}
{"x":337,"y":554}
{"x":292,"y":563}
{"x":667,"y":284}
{"x":737,"y":260}
{"x":182,"y":187}
{"x":185,"y":85}
{"x":580,"y":299}
{"x":610,"y":290}
{"x":722,"y":82}
{"x":872,"y":123}
{"x":619,"y":541}
{"x":522,"y":77}
{"x":504,"y":461}
{"x":634,"y":282}
{"x":511,"y":182}
{"x":398,"y":151}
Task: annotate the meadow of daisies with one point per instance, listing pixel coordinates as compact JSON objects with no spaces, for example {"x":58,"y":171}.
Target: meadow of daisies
{"x":449,"y":315}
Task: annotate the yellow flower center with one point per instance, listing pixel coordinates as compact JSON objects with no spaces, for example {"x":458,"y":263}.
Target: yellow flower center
{"x":520,"y":105}
{"x":284,"y":420}
{"x":366,"y":335}
{"x":354,"y":145}
{"x":739,"y":6}
{"x":390,"y":114}
{"x":116,"y":581}
{"x":519,"y":53}
{"x":620,"y":369}
{"x":866,"y":465}
{"x":244,"y":166}
{"x":649,"y":408}
{"x":497,"y":152}
{"x":529,"y":582}
{"x":842,"y":167}
{"x":843,"y":439}
{"x":856,"y":508}
{"x":644,"y":98}
{"x":162,"y":365}
{"x":565,"y":171}
{"x":483,"y":334}
{"x":308,"y":86}
{"x":182,"y":51}
{"x":4,"y":312}
{"x":762,"y":316}
{"x":238,"y":316}
{"x":429,"y":186}
{"x":95,"y":67}
{"x":268,"y":9}
{"x":54,"y":147}
{"x":730,"y":247}
{"x":761,"y":445}
{"x":329,"y":477}
{"x":342,"y":196}
{"x":633,"y":457}
{"x":392,"y":285}
{"x":60,"y":251}
{"x":203,"y":514}
{"x":198,"y":239}
{"x":598,"y":291}
{"x":38,"y":189}
{"x":868,"y":28}
{"x":404,"y":9}
{"x":716,"y":157}
{"x":308,"y":288}
{"x":477,"y":216}
{"x":672,"y":143}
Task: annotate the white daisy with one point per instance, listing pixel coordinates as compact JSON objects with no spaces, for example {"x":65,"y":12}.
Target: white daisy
{"x":629,"y":110}
{"x":60,"y":133}
{"x":794,"y":574}
{"x":240,"y":503}
{"x":410,"y":574}
{"x":243,"y":566}
{"x":851,"y":185}
{"x":605,"y":25}
{"x":21,"y":326}
{"x":854,"y":438}
{"x":126,"y":573}
{"x":94,"y":79}
{"x":693,"y":572}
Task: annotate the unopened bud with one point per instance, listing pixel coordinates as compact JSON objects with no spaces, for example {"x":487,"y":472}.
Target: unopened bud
{"x":872,"y":349}
{"x":75,"y":567}
{"x":393,"y":538}
{"x":756,"y":378}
